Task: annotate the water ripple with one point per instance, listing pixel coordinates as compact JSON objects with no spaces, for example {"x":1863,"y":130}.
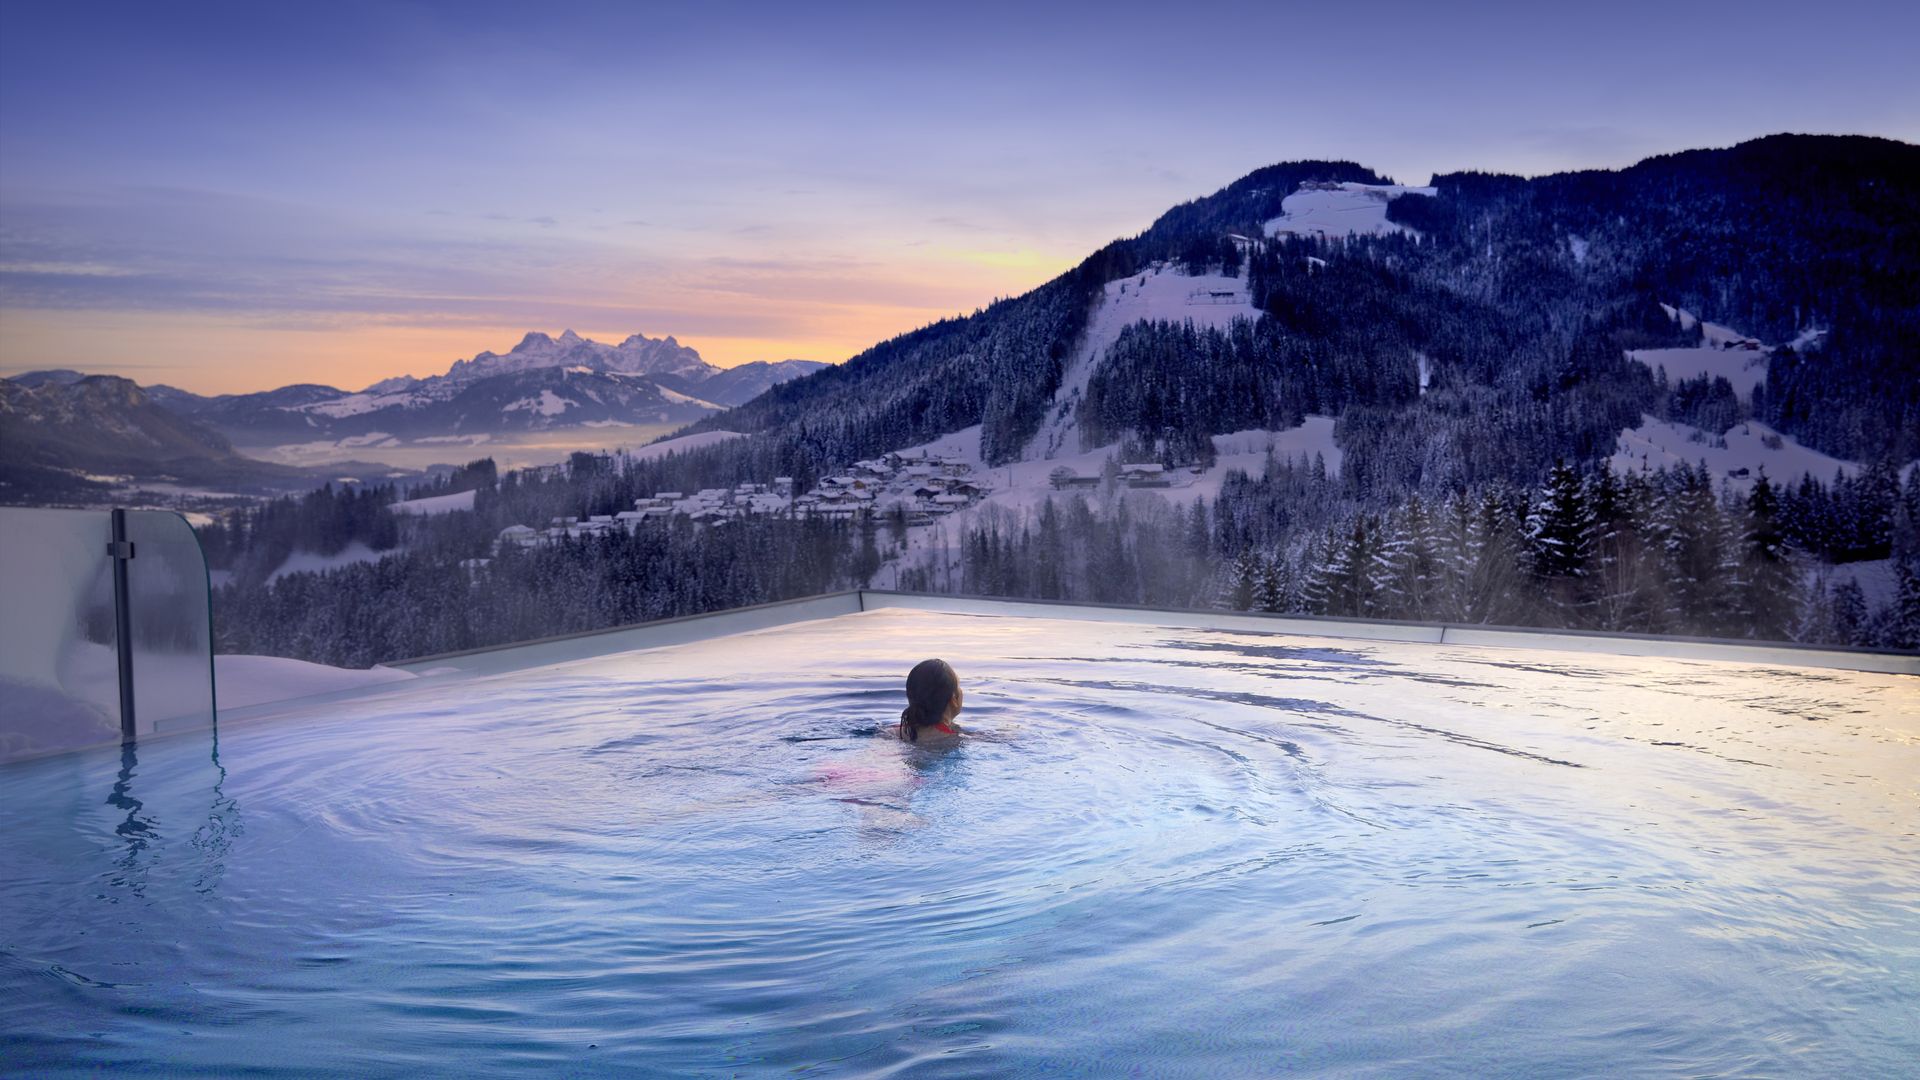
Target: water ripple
{"x":1187,"y":854}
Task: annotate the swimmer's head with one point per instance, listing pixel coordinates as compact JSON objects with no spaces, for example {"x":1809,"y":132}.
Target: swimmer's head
{"x":933,"y":696}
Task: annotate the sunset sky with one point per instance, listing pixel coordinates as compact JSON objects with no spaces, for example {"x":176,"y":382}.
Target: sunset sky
{"x":231,"y":197}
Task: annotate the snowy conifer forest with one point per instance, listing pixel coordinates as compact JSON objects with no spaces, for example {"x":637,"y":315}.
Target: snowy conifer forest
{"x":1679,"y":398}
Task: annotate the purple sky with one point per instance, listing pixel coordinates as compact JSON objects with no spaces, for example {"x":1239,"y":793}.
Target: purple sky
{"x":231,"y":197}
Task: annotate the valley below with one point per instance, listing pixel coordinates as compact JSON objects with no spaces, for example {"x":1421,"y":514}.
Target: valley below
{"x":509,"y":450}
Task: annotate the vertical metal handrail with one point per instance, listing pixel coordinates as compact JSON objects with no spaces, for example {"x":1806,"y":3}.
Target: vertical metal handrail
{"x":120,"y":550}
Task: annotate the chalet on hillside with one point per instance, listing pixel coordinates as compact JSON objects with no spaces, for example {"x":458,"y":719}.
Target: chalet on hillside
{"x":1065,"y":479}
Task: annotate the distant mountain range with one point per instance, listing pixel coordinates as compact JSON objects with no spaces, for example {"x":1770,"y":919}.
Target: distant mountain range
{"x":543,"y":382}
{"x":75,"y":424}
{"x":64,"y":435}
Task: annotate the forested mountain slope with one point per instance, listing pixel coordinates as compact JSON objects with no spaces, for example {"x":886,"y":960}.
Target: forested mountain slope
{"x":1520,"y":297}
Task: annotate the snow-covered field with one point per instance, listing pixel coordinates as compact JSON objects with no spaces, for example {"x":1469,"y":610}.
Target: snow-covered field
{"x":1744,"y":368}
{"x":547,"y":404}
{"x":307,"y":561}
{"x":240,"y":681}
{"x":1341,"y":210}
{"x":510,"y":450}
{"x":683,"y":444}
{"x":1715,"y":335}
{"x":356,"y":404}
{"x":1723,"y":351}
{"x":434,"y":504}
{"x":1749,"y":446}
{"x":1876,"y":577}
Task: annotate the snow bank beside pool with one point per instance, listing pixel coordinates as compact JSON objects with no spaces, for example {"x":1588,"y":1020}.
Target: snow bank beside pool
{"x":241,"y":681}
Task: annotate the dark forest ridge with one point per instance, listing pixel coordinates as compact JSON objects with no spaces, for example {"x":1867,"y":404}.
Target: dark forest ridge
{"x":1526,"y":288}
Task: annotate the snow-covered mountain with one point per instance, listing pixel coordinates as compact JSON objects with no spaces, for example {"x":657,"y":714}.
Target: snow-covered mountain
{"x":1473,"y":330}
{"x":63,"y":434}
{"x":543,"y":382}
{"x":637,"y":355}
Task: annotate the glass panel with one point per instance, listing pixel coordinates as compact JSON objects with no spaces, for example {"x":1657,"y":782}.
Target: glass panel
{"x":172,"y":633}
{"x":59,"y":683}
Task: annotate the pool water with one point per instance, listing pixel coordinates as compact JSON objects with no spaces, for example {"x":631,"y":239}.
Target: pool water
{"x":1168,"y":853}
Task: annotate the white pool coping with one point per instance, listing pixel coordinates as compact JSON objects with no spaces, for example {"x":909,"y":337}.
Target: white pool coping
{"x":494,"y":660}
{"x":545,"y":652}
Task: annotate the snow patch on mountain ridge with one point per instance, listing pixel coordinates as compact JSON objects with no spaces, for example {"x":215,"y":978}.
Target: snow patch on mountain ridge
{"x":1341,"y":210}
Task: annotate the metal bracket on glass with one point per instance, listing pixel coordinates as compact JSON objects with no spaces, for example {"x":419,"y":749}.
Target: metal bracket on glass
{"x":120,"y":550}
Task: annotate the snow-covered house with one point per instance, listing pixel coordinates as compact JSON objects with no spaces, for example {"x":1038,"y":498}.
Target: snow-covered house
{"x":1145,"y":474}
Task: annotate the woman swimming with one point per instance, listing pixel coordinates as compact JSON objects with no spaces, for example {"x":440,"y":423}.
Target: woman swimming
{"x":933,"y":700}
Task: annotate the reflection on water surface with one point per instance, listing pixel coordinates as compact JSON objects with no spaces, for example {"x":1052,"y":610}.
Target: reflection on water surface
{"x":1177,"y":853}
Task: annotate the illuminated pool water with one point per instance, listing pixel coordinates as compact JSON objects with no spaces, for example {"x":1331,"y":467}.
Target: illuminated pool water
{"x":1172,"y":853}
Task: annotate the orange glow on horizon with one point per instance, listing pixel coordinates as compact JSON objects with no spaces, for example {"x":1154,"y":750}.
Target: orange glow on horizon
{"x":226,"y":354}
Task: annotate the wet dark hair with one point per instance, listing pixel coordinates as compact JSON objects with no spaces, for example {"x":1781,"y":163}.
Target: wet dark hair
{"x":930,"y":689}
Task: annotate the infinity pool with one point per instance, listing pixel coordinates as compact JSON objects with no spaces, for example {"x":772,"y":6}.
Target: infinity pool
{"x":1168,"y":853}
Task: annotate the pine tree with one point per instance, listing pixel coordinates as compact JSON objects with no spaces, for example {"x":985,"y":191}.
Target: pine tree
{"x":1692,"y":533}
{"x":1815,"y":624}
{"x":1271,"y":595}
{"x":1406,"y":577}
{"x":1904,"y":622}
{"x":1772,"y":580}
{"x":1626,"y":569}
{"x":1343,"y":582}
{"x":1850,"y":624}
{"x":1559,"y":533}
{"x":1494,"y":569}
{"x":1241,"y":582}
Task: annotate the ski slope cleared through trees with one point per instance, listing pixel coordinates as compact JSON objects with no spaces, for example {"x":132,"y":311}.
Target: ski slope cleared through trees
{"x":1161,"y":294}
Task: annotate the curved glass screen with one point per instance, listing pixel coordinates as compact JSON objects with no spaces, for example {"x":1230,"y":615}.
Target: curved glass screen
{"x":59,"y":669}
{"x":172,"y":630}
